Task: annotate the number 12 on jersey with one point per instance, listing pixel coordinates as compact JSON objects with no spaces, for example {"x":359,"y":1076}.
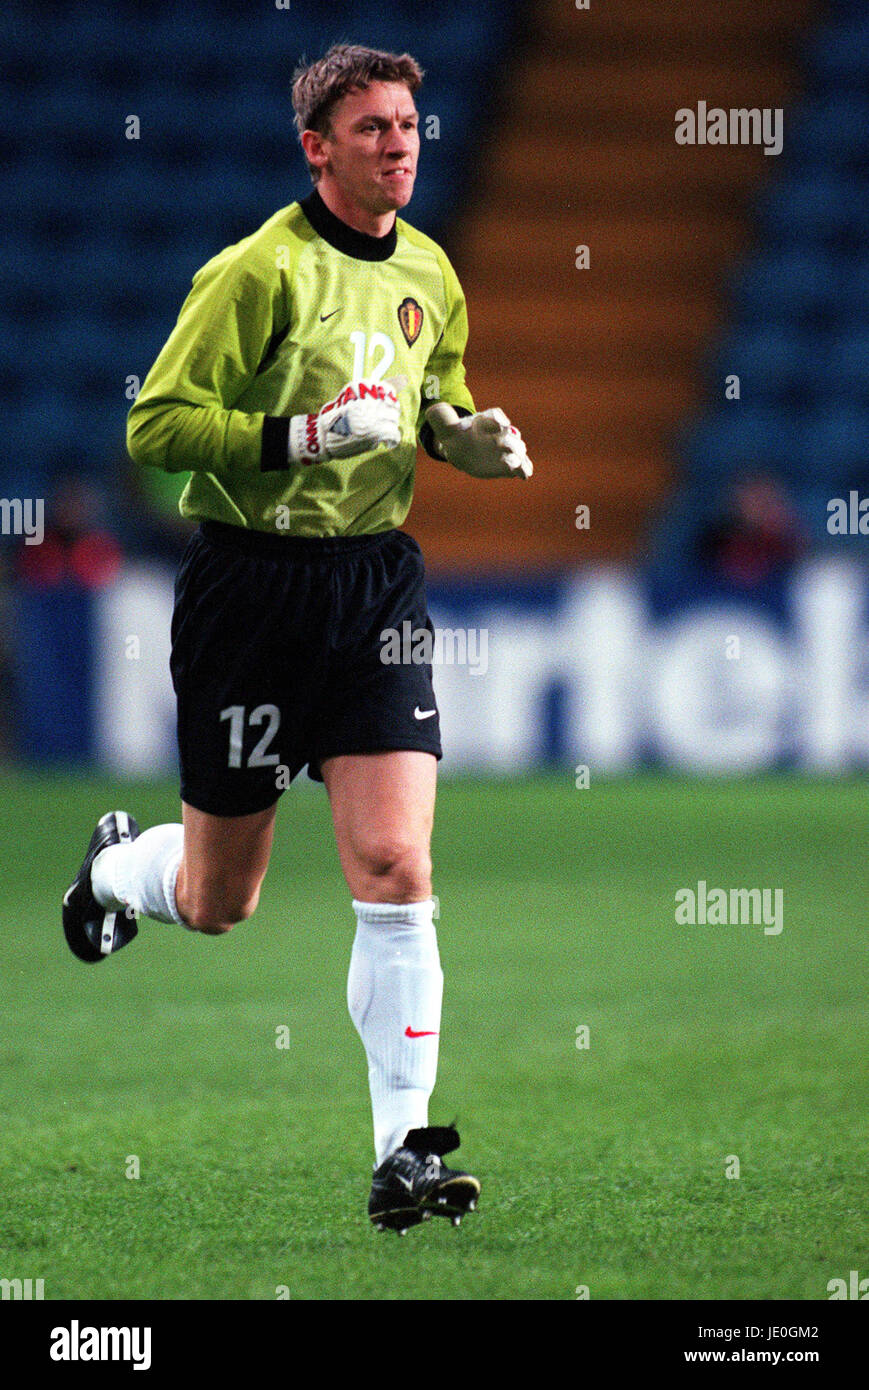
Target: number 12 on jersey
{"x":364,"y":348}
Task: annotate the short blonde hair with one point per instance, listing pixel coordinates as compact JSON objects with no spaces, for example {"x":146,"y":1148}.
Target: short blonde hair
{"x":319,"y":86}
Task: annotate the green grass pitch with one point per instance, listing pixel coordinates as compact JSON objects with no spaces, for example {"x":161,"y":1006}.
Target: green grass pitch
{"x":601,"y":1167}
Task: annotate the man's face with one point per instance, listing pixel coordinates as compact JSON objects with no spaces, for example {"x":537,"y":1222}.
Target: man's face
{"x":373,"y":146}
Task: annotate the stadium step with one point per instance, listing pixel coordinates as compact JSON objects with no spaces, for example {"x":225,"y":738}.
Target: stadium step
{"x":657,"y":249}
{"x":614,"y":95}
{"x":617,"y":176}
{"x":614,"y":330}
{"x":573,"y":476}
{"x":594,"y":406}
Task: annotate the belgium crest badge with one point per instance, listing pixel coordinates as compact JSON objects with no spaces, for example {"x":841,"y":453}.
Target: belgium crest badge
{"x":410,"y":316}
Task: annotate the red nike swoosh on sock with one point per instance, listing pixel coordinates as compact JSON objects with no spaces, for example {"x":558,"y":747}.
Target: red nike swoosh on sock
{"x":426,"y":1033}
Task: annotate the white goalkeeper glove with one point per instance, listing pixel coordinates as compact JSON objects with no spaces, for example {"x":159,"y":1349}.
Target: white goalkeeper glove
{"x":362,"y":416}
{"x":485,"y":445}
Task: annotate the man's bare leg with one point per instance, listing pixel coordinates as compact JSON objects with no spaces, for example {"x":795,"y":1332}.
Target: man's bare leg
{"x":205,"y":874}
{"x":383,"y":810}
{"x":222,"y":867}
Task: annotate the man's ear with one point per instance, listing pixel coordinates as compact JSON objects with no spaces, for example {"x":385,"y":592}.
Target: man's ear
{"x":313,"y":145}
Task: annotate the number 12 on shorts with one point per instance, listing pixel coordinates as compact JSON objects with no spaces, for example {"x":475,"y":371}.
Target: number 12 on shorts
{"x":269,"y":715}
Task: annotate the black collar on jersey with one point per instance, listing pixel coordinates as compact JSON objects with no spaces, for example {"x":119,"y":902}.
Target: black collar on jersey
{"x":343,"y":237}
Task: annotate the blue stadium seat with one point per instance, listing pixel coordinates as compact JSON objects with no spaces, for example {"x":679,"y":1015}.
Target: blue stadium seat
{"x":853,"y":302}
{"x":829,"y":130}
{"x":857,"y":223}
{"x":49,"y":413}
{"x":835,"y":442}
{"x":789,"y":283}
{"x":840,"y":364}
{"x":839,"y":54}
{"x":769,"y":360}
{"x":816,"y":204}
{"x":27,"y":287}
{"x":738,"y":437}
{"x":843,"y":9}
{"x":13,"y":367}
{"x":24,"y":267}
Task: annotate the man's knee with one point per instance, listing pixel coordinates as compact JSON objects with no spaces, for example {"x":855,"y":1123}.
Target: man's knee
{"x":398,"y":872}
{"x":216,"y":908}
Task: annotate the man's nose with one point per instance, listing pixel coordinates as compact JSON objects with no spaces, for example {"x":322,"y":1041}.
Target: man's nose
{"x":398,"y":141}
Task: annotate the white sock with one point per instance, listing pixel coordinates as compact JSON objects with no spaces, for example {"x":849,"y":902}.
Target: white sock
{"x":142,"y":874}
{"x":394,"y":990}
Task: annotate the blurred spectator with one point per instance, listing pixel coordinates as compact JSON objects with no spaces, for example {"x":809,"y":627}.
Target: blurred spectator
{"x":75,"y":548}
{"x":756,"y":536}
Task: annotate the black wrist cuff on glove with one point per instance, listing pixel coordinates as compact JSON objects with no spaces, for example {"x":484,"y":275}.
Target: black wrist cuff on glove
{"x":275,"y":444}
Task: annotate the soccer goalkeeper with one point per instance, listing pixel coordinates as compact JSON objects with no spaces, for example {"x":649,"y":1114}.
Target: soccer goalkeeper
{"x":306,"y":362}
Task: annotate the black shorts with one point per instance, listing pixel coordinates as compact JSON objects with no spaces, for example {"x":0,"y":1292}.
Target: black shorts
{"x":277,"y":646}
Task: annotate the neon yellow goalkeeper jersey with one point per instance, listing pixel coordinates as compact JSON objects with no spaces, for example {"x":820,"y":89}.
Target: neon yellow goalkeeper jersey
{"x":275,"y":326}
